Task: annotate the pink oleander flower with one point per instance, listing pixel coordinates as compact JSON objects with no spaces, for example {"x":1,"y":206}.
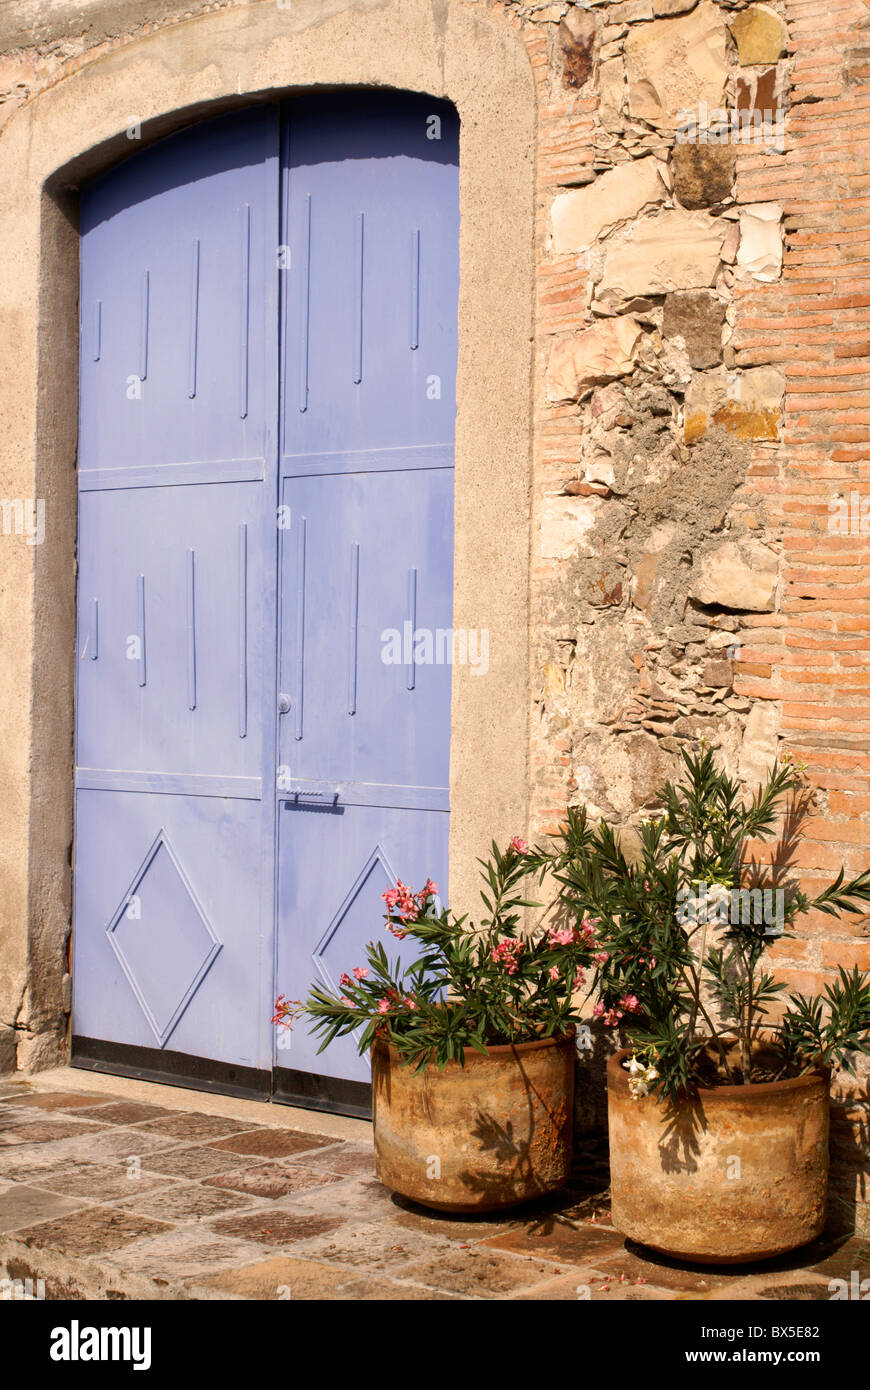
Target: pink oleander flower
{"x":519,"y":845}
{"x":402,"y":900}
{"x":560,"y":936}
{"x":609,"y":1017}
{"x":360,"y":972}
{"x":630,"y":1003}
{"x":554,"y":973}
{"x":429,"y":889}
{"x":506,"y":953}
{"x":286,"y":1011}
{"x":601,"y":957}
{"x":345,"y":979}
{"x":384,"y":1006}
{"x":411,"y":1003}
{"x":579,"y":980}
{"x":348,"y":1003}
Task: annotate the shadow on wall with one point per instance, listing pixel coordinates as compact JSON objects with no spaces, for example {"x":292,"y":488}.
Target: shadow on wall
{"x":595,"y":1046}
{"x":849,"y":1182}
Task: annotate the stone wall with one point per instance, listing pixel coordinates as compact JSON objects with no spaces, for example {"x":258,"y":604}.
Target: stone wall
{"x":702,"y":402}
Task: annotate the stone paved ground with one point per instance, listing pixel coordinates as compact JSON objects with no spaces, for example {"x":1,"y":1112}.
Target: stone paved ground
{"x":103,"y":1196}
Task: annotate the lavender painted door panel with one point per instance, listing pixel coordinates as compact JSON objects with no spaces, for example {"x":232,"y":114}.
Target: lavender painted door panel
{"x":371,"y":214}
{"x":173,"y":927}
{"x":168,"y":948}
{"x":334,"y":866}
{"x":174,"y":708}
{"x":367,"y":551}
{"x":178,"y":255}
{"x":368,"y":407}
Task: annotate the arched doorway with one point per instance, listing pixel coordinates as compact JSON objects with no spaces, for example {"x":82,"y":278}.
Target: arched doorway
{"x":268,"y":361}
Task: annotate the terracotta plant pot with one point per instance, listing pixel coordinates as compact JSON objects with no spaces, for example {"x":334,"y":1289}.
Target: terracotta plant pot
{"x":493,"y":1133}
{"x":740,"y":1173}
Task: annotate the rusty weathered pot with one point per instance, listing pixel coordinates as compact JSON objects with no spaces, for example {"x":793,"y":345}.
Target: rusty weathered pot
{"x":473,"y":1138}
{"x":738,"y":1174}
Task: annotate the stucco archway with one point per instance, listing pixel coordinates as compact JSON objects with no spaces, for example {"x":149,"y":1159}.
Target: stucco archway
{"x":78,"y":128}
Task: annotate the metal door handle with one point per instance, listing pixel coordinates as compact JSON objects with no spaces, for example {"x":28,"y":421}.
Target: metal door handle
{"x":322,"y":796}
{"x":284,"y":703}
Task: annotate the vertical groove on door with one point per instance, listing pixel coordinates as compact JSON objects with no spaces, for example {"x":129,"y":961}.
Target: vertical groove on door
{"x":412,"y":624}
{"x":243,"y":630}
{"x":283,"y":281}
{"x":415,"y":288}
{"x":194,"y":319}
{"x":245,"y":310}
{"x":191,"y":631}
{"x":300,"y":624}
{"x":98,"y":330}
{"x":358,"y":262}
{"x":94,"y":635}
{"x":353,"y":636}
{"x":140,"y":604}
{"x":306,"y":307}
{"x":143,"y":328}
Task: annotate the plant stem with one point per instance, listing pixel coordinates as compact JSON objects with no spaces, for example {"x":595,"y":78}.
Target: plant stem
{"x":697,"y":976}
{"x":714,"y":1036}
{"x":746,"y":1032}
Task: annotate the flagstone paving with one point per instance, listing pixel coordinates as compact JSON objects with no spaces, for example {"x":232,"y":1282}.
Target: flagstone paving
{"x":106,"y":1197}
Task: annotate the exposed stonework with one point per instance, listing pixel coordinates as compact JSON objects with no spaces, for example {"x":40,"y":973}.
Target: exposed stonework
{"x":577,"y":40}
{"x":671,"y":7}
{"x":601,"y":353}
{"x":759,"y":746}
{"x":697,"y":317}
{"x":760,"y":251}
{"x":676,"y":63}
{"x":567,"y":524}
{"x":581,"y":216}
{"x":740,"y":575}
{"x":760,"y":35}
{"x":747,"y":403}
{"x":703,"y":174}
{"x":672,"y":250}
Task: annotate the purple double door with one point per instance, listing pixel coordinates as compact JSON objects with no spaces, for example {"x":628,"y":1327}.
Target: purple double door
{"x":267,"y":404}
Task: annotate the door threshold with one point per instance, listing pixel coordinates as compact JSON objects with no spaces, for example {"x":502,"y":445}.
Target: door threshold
{"x":170,"y":1068}
{"x":329,"y":1093}
{"x":301,"y":1090}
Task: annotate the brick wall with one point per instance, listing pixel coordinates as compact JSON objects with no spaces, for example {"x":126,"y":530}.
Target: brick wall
{"x":617,"y":692}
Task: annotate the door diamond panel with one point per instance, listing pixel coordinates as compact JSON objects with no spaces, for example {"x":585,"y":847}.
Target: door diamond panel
{"x":162,"y":938}
{"x":360,"y":911}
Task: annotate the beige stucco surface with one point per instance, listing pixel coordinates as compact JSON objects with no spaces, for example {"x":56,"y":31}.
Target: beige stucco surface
{"x":76,"y":128}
